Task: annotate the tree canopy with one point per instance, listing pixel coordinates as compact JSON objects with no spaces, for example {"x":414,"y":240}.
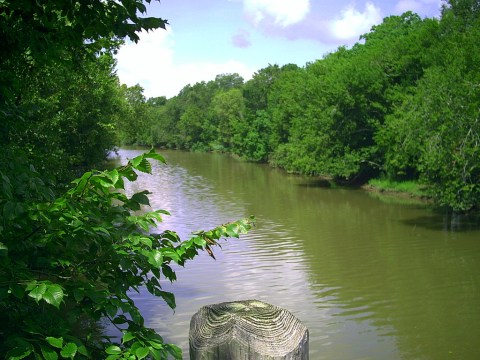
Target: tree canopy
{"x":401,"y":104}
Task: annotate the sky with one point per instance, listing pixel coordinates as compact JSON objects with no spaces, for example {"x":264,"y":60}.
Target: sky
{"x":206,"y":38}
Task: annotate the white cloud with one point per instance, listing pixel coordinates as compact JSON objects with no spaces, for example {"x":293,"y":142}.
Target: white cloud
{"x":354,"y":23}
{"x":283,"y":12}
{"x":152,"y":64}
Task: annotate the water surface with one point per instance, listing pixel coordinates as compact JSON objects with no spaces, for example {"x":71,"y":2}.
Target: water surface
{"x":370,"y":279}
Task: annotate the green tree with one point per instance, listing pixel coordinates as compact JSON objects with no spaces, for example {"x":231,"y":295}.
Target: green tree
{"x":228,"y":110}
{"x":72,"y":254}
{"x":435,"y":130}
{"x":225,"y":82}
{"x":325,"y":120}
{"x":257,"y":89}
{"x":193,"y":125}
{"x":135,"y":126}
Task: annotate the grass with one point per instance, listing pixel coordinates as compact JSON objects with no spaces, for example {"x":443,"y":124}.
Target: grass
{"x":409,"y":187}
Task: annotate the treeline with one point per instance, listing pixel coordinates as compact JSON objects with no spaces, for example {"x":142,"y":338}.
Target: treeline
{"x":403,"y":104}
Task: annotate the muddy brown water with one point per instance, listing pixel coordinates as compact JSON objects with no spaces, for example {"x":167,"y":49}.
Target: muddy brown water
{"x":371,"y":279}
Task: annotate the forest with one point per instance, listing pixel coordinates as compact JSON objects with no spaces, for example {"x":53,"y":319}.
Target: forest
{"x":402,"y":104}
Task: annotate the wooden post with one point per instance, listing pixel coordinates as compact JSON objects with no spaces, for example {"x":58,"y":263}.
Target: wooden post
{"x":251,"y":330}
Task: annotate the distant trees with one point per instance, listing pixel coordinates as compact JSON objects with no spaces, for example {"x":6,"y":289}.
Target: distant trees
{"x":403,"y":104}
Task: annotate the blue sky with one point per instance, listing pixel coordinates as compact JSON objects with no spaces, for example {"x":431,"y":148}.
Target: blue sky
{"x":210,"y":37}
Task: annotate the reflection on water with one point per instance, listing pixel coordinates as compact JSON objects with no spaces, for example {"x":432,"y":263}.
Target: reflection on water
{"x":370,"y":280}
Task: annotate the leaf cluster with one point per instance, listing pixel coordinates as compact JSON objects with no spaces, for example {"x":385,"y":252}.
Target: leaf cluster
{"x":72,"y":260}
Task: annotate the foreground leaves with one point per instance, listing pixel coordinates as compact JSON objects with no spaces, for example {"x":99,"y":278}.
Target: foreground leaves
{"x":70,"y":261}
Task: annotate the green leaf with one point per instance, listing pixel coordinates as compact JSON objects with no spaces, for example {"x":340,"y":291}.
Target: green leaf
{"x":175,"y":351}
{"x":112,"y":357}
{"x":152,"y":23}
{"x":147,"y":241}
{"x":104,"y":182}
{"x":78,"y":294}
{"x":55,"y":342}
{"x":69,"y":350}
{"x":142,"y":352}
{"x":161,"y":211}
{"x":113,"y":176}
{"x":156,"y":354}
{"x":155,"y":258}
{"x":53,"y":295}
{"x":232,"y":230}
{"x":18,"y":353}
{"x":82,"y":182}
{"x":101,"y":230}
{"x":141,"y":198}
{"x":127,"y":337}
{"x":111,"y":309}
{"x":199,"y":241}
{"x":170,"y":253}
{"x":144,"y":166}
{"x":153,"y":155}
{"x":135,"y":346}
{"x":136,"y":316}
{"x":38,"y":291}
{"x":136,"y":160}
{"x":156,"y":345}
{"x":168,"y":297}
{"x":83,"y":350}
{"x":169,"y":273}
{"x":48,"y":353}
{"x":121,"y":319}
{"x":9,"y":210}
{"x":113,"y":350}
{"x":129,"y":173}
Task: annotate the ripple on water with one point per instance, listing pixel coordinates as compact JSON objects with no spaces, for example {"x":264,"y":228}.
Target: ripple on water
{"x":370,"y":280}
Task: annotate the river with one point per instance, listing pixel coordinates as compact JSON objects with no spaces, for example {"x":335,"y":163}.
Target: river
{"x":370,"y":278}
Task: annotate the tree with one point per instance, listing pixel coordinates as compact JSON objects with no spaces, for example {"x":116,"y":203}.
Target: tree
{"x":226,"y":82}
{"x":257,"y":89}
{"x":135,"y":126}
{"x":228,"y":109}
{"x":46,"y":46}
{"x":70,"y":253}
{"x":435,"y":130}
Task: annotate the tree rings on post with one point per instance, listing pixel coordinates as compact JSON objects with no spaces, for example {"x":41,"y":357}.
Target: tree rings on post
{"x":247,"y":329}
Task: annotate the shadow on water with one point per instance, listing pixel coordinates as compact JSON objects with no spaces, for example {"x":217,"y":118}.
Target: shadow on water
{"x":318,"y":183}
{"x":442,"y":221}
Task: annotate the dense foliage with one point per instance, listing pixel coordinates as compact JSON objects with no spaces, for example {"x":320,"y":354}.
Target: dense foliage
{"x":72,"y":260}
{"x":402,"y":104}
{"x":72,"y":251}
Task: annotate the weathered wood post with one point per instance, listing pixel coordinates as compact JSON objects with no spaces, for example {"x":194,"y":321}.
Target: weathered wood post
{"x":248,"y":329}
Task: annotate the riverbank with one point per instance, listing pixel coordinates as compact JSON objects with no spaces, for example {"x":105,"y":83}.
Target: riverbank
{"x":410,"y":191}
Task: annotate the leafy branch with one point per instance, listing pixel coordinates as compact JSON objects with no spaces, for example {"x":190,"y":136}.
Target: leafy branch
{"x":91,"y":247}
